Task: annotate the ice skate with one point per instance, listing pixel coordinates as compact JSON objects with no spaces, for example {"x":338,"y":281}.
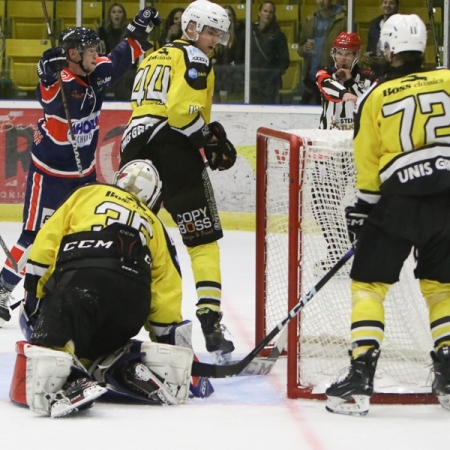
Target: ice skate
{"x":441,"y":382}
{"x":356,"y":386}
{"x":79,"y":396}
{"x":5,"y":301}
{"x":213,"y":330}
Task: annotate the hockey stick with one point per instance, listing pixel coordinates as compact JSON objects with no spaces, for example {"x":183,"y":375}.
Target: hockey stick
{"x":263,"y":366}
{"x":431,"y":12}
{"x":63,"y":95}
{"x":231,"y":370}
{"x":8,"y":255}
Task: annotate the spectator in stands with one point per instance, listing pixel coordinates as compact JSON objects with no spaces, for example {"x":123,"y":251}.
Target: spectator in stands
{"x":172,"y":27}
{"x":269,"y":56}
{"x":111,"y":34}
{"x":318,"y":32}
{"x":229,"y":76}
{"x":373,"y":57}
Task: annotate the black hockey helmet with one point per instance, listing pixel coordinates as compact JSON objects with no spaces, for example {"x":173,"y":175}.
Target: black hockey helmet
{"x":78,"y":38}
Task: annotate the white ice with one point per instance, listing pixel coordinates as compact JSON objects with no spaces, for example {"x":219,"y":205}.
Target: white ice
{"x":244,"y":412}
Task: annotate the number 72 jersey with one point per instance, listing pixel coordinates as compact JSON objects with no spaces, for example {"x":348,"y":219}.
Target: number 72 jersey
{"x":402,"y":136}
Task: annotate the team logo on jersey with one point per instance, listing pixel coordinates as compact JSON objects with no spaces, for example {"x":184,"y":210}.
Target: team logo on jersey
{"x":103,"y":81}
{"x":84,"y":130}
{"x":422,"y":169}
{"x":197,"y":55}
{"x":193,"y":73}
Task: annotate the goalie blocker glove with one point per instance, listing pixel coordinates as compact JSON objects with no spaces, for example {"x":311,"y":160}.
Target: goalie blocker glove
{"x":143,"y":23}
{"x":53,"y":60}
{"x":355,"y":216}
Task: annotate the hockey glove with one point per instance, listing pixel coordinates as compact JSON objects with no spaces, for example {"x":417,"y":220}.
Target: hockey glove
{"x":221,"y":154}
{"x":144,"y":22}
{"x":53,"y":60}
{"x":356,"y":216}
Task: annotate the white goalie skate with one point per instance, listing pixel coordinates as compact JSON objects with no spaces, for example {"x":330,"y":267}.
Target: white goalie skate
{"x":78,"y":397}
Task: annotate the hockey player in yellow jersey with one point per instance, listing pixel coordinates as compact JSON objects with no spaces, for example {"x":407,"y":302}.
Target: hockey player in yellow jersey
{"x":170,"y":124}
{"x":101,"y":268}
{"x":402,"y":158}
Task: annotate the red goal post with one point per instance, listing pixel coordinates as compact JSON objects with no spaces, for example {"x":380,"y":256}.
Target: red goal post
{"x":304,"y":180}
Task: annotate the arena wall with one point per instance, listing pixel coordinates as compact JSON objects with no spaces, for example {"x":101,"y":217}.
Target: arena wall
{"x":234,"y":189}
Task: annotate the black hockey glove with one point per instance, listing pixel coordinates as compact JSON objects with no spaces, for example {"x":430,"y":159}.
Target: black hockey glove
{"x":53,"y":60}
{"x":144,"y":22}
{"x":220,"y":154}
{"x":356,"y":216}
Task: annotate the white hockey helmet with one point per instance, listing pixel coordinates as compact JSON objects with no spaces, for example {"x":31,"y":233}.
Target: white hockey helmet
{"x":207,"y":14}
{"x":139,"y":177}
{"x":403,"y":33}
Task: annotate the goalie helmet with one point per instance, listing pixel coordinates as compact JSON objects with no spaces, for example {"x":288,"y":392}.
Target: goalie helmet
{"x":403,"y":33}
{"x":78,"y":38}
{"x":140,"y":178}
{"x":207,"y":14}
{"x":347,"y":41}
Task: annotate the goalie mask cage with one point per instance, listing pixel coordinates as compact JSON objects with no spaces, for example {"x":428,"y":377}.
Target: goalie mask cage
{"x":304,"y":180}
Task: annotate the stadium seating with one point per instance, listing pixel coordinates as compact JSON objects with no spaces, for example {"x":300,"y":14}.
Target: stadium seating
{"x":66,"y":14}
{"x":291,"y":79}
{"x":21,"y":57}
{"x":25,"y":19}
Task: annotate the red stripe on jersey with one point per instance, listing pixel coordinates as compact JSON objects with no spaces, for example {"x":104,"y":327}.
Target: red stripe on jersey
{"x":35,"y":198}
{"x":321,"y":77}
{"x":49,"y":93}
{"x":136,"y":49}
{"x":59,"y":173}
{"x":57,"y":129}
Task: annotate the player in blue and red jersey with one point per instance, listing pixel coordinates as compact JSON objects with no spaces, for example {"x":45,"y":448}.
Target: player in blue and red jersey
{"x":59,"y":165}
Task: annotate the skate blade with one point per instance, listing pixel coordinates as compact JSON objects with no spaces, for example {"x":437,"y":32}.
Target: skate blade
{"x":444,"y":400}
{"x":221,"y":359}
{"x":64,"y":407}
{"x":339,"y":405}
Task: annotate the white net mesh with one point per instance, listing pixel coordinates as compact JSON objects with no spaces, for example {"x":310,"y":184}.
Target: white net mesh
{"x":324,"y":332}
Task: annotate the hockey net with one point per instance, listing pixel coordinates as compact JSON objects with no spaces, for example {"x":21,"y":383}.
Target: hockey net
{"x":305,"y":179}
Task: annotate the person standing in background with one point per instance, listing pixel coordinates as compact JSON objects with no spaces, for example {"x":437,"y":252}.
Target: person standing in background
{"x":317,"y":35}
{"x":229,"y":76}
{"x":172,"y":27}
{"x":114,"y":32}
{"x":373,"y":57}
{"x":269,"y":58}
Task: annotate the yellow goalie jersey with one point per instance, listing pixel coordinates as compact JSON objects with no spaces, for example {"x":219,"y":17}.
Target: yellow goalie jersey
{"x":173,"y":85}
{"x":92,"y":208}
{"x":402,"y":137}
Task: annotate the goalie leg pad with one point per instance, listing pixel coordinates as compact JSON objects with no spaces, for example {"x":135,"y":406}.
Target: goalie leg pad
{"x":43,"y":371}
{"x":181,"y":334}
{"x":172,"y":364}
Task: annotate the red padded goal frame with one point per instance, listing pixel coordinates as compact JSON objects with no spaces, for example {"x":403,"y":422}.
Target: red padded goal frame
{"x":296,"y":165}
